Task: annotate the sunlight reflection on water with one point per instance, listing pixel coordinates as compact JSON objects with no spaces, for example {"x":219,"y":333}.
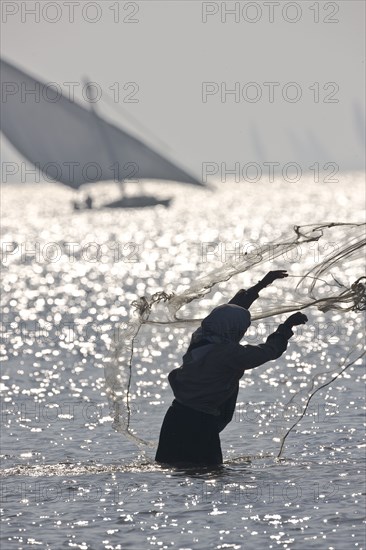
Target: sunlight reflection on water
{"x":69,"y":479}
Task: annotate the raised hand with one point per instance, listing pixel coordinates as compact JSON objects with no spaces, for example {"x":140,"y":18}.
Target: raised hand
{"x":272,"y":276}
{"x":295,"y":319}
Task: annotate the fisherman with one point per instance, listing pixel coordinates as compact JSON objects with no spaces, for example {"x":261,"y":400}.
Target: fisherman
{"x":206,"y":386}
{"x":89,"y":202}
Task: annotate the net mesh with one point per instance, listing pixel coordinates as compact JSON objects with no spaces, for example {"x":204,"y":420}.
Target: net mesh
{"x":325,"y":286}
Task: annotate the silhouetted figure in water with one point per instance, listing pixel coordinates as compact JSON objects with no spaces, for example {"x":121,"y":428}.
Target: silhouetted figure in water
{"x":206,"y":386}
{"x":89,"y":202}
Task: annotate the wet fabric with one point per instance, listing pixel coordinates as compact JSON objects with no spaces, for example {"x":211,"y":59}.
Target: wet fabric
{"x":189,"y":437}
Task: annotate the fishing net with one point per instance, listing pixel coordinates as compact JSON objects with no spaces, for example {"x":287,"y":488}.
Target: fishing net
{"x":325,"y":283}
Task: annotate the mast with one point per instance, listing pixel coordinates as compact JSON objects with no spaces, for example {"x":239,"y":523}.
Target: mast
{"x":105,"y":138}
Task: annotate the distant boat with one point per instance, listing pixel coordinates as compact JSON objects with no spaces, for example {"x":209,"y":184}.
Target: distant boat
{"x":74,"y":145}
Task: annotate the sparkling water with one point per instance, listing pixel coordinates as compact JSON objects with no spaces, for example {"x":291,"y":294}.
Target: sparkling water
{"x":68,"y":479}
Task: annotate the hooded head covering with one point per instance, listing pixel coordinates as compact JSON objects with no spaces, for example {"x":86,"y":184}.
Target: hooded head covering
{"x":225,"y":324}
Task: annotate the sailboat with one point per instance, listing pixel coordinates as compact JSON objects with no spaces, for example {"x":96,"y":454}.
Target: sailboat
{"x":74,"y":145}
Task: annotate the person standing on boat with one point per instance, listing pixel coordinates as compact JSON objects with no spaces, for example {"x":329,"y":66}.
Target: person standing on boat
{"x":206,"y":386}
{"x":89,"y":202}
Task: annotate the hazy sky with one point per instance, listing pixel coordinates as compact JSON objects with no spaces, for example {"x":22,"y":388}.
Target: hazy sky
{"x":174,"y":47}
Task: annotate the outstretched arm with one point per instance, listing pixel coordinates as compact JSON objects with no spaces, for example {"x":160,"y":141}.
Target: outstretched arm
{"x":275,"y":345}
{"x":253,"y":356}
{"x":245,"y":298}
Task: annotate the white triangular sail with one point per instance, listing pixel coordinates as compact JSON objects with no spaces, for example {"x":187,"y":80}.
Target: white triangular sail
{"x":71,"y":144}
